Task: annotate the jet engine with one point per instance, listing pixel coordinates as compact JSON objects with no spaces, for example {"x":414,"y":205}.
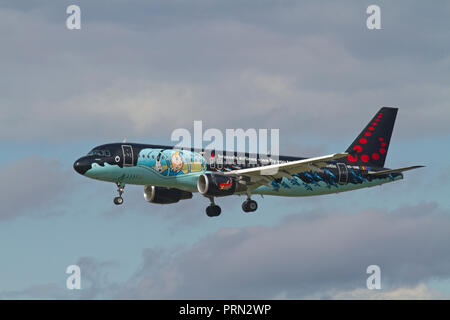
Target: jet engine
{"x":164,"y":195}
{"x":218,"y":185}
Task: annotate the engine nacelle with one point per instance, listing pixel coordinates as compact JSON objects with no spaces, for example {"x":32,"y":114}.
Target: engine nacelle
{"x":218,"y":185}
{"x":164,"y":195}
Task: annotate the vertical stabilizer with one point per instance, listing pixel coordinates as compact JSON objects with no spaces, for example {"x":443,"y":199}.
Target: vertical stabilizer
{"x":371,"y":146}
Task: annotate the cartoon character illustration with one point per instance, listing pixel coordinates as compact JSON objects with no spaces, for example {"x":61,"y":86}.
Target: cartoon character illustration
{"x":171,"y":162}
{"x":177,"y":162}
{"x":174,"y":163}
{"x":158,"y":166}
{"x":155,"y":159}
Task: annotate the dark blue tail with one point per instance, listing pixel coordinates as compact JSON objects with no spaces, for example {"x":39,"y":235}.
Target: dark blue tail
{"x":371,"y":146}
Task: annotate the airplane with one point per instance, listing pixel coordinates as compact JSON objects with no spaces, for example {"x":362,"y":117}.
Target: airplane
{"x":171,"y":174}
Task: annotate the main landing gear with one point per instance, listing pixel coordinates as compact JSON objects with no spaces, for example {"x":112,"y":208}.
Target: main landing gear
{"x":249,"y":205}
{"x":213,"y":210}
{"x":119,"y":200}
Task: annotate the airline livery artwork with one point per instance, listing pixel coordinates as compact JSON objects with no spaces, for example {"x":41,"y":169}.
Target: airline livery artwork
{"x":169,"y":174}
{"x":171,"y":162}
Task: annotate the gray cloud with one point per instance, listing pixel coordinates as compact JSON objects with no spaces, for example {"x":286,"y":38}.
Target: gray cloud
{"x":418,"y":292}
{"x":311,"y":254}
{"x":296,"y":66}
{"x":306,"y":254}
{"x":40,"y":291}
{"x":33,"y":187}
{"x":95,"y":284}
{"x":95,"y":278}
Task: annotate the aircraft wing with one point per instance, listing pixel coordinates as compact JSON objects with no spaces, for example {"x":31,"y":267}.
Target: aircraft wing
{"x":394,"y":170}
{"x":265,"y":174}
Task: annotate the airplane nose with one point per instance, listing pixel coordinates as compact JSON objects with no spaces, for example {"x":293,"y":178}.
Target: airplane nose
{"x":82,"y":165}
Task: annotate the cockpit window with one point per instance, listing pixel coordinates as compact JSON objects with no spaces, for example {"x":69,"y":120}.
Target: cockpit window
{"x":100,"y":153}
{"x":96,"y":153}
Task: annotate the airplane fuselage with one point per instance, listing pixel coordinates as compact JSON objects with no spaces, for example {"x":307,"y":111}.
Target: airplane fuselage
{"x":166,"y":166}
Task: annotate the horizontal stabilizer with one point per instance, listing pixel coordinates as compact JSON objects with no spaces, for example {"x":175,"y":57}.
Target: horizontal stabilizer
{"x":394,"y":170}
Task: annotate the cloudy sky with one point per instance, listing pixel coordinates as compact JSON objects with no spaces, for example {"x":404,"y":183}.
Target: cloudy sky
{"x":140,"y":69}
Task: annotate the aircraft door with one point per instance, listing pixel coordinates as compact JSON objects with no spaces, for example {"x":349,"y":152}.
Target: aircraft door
{"x":127,"y":155}
{"x":343,"y":173}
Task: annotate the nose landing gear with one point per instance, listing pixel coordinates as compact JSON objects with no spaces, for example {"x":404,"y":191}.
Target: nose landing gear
{"x":119,"y":200}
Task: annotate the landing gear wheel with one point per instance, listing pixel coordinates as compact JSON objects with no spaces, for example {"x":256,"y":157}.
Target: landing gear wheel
{"x":118,"y":200}
{"x":252,"y":205}
{"x":213,"y":210}
{"x":249,"y":205}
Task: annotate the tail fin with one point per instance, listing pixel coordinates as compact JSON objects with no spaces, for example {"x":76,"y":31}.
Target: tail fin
{"x":371,"y":146}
